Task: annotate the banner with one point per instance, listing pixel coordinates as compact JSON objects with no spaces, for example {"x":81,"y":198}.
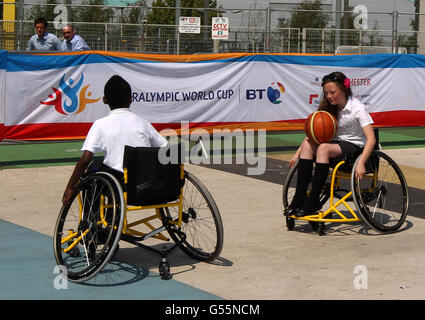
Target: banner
{"x":59,"y":96}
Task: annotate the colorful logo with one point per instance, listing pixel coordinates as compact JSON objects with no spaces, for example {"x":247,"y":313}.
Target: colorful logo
{"x":69,"y":99}
{"x":273,"y":93}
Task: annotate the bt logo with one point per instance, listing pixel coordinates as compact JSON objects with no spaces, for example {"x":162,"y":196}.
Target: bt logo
{"x":273,"y":93}
{"x":69,"y":99}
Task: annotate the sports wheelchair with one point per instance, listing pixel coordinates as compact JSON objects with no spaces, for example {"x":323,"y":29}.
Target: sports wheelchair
{"x":381,"y":197}
{"x":88,"y":230}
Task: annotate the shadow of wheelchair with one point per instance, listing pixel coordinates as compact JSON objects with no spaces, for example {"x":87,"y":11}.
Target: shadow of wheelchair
{"x":134,"y":264}
{"x":118,"y":273}
{"x":349,"y":228}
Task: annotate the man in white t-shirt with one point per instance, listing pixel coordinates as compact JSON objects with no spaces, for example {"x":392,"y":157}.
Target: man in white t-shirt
{"x":113,"y":132}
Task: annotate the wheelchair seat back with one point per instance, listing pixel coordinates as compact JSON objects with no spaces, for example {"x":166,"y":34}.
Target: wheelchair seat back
{"x":149,"y":181}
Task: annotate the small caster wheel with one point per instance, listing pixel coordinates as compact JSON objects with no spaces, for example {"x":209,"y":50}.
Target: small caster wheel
{"x":290,"y":223}
{"x":164,"y":269}
{"x":314,"y":225}
{"x":321,"y":230}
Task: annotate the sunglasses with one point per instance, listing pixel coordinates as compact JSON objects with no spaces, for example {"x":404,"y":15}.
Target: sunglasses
{"x":330,"y":77}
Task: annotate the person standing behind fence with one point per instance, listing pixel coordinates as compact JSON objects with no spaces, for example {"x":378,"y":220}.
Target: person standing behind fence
{"x":43,"y":40}
{"x":73,"y":42}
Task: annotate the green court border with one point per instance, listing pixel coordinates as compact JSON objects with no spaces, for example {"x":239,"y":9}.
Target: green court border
{"x":24,"y":154}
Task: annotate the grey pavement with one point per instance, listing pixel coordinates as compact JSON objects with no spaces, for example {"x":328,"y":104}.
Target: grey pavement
{"x":260,"y":258}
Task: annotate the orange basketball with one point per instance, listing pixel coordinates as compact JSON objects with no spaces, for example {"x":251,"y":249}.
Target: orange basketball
{"x":320,"y":127}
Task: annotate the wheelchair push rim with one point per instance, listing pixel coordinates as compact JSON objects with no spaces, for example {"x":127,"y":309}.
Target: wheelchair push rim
{"x":381,"y":197}
{"x":88,"y":230}
{"x":201,"y":233}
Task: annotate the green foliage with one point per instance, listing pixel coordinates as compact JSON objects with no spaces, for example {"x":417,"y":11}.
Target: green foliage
{"x":44,"y":10}
{"x":167,"y":16}
{"x":83,"y":14}
{"x":93,"y":14}
{"x":305,"y":19}
{"x":134,"y":15}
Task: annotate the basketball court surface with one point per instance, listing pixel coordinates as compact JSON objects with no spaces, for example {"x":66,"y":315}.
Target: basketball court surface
{"x":260,"y":258}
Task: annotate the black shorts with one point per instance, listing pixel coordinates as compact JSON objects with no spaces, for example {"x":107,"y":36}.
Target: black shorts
{"x":350,"y":151}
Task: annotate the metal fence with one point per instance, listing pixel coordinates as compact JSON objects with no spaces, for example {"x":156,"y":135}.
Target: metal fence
{"x":251,"y":30}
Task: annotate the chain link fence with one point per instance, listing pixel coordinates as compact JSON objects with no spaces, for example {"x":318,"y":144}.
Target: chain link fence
{"x":130,"y":29}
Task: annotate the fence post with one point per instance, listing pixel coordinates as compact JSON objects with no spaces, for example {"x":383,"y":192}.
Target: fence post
{"x":106,"y":37}
{"x":268,"y":17}
{"x":289,"y":40}
{"x":216,"y":45}
{"x":19,"y":36}
{"x":159,"y":40}
{"x":177,"y":23}
{"x":338,"y":24}
{"x":178,"y":42}
{"x":394,"y":33}
{"x":360,"y":37}
{"x":142,"y":38}
{"x":281,"y":41}
{"x":304,"y":40}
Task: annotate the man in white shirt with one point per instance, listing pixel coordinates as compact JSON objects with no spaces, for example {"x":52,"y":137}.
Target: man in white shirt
{"x":43,"y":40}
{"x":72,"y":41}
{"x":111,"y":133}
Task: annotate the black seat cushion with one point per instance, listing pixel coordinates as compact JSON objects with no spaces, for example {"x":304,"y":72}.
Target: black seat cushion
{"x":371,"y":165}
{"x":150,"y":181}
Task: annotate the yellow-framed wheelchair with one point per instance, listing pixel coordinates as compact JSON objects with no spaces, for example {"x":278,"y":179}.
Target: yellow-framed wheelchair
{"x":381,"y":198}
{"x":173,"y":202}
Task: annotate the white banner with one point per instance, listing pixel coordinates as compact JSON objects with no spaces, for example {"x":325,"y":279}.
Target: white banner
{"x":262,"y":91}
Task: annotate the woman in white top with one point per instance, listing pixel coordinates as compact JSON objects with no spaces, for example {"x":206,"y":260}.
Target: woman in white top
{"x":354,"y":136}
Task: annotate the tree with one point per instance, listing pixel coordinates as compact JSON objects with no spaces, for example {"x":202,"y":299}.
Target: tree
{"x":315,"y":17}
{"x":168,"y":16}
{"x":44,"y":10}
{"x":189,"y":43}
{"x":308,"y":14}
{"x":409,"y":41}
{"x":93,"y":12}
{"x":135,"y":13}
{"x":375,"y":39}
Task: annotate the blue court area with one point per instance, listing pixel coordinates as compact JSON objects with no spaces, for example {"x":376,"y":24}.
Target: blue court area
{"x":28,"y":271}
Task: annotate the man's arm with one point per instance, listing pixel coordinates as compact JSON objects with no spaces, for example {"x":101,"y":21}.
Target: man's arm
{"x":79,"y":169}
{"x":30,"y":45}
{"x":80,"y":44}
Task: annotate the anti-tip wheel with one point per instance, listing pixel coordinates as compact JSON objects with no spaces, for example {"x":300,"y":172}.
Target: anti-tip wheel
{"x":164,"y":269}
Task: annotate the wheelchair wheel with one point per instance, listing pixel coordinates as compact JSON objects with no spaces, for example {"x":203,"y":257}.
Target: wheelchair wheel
{"x":88,"y":229}
{"x":201,"y":232}
{"x":381,"y":197}
{"x":290,"y":183}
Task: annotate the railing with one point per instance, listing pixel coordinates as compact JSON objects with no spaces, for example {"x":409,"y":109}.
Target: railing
{"x":251,"y":30}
